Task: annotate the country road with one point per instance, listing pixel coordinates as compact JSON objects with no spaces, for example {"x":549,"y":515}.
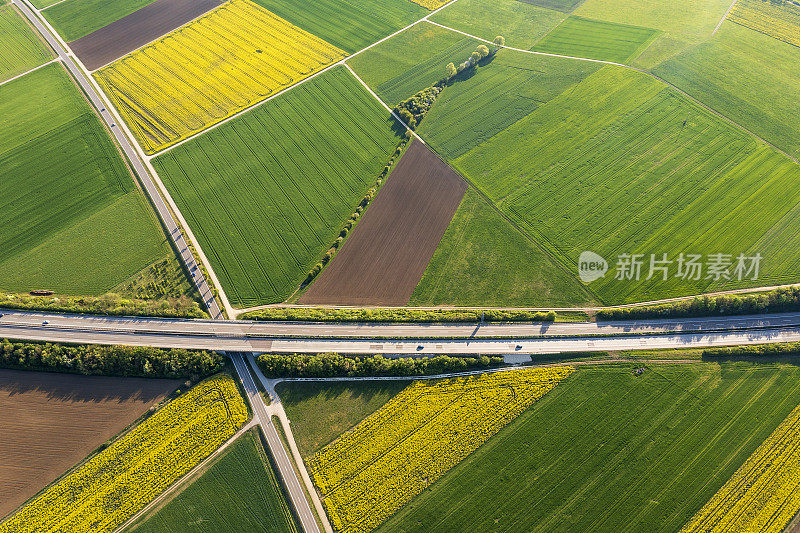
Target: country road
{"x":157,"y":200}
{"x":419,"y":339}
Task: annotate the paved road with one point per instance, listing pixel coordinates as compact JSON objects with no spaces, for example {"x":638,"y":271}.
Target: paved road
{"x":163,"y":212}
{"x":364,"y":338}
{"x":285,"y":468}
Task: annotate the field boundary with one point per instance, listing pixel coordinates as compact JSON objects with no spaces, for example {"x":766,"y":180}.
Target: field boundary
{"x":56,"y":60}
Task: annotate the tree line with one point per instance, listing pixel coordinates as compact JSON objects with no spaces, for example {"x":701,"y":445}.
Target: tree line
{"x":321,"y":314}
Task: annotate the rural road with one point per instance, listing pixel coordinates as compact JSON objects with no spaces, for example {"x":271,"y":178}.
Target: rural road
{"x":434,"y":339}
{"x":281,"y":458}
{"x":138,"y":165}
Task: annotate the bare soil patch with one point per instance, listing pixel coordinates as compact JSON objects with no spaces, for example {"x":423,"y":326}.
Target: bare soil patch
{"x":385,"y":257}
{"x":50,"y":422}
{"x":137,"y":29}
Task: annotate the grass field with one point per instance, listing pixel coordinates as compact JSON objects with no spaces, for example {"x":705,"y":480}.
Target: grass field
{"x":410,"y":61}
{"x":264,"y":205}
{"x":117,"y":482}
{"x":483,"y":260}
{"x":20,"y":48}
{"x":778,"y":20}
{"x":594,"y":39}
{"x":239,"y":492}
{"x":223,"y":62}
{"x":73,"y":19}
{"x":521,"y":23}
{"x":72,"y":220}
{"x":348,"y":25}
{"x":647,"y":172}
{"x":396,"y":453}
{"x":321,"y":412}
{"x":608,"y":450}
{"x":499,"y":94}
{"x":749,"y":77}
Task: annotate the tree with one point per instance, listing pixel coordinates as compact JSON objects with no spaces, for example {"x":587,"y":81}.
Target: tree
{"x":499,"y":41}
{"x":474,"y":57}
{"x":482,"y":50}
{"x":451,"y":70}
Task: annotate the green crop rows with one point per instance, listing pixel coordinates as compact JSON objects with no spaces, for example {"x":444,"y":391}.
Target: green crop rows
{"x":20,"y":48}
{"x":75,"y":18}
{"x":71,"y":219}
{"x":608,"y":450}
{"x":267,"y":194}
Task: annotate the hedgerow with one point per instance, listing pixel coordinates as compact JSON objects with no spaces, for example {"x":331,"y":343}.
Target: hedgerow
{"x":321,"y":314}
{"x":108,"y":304}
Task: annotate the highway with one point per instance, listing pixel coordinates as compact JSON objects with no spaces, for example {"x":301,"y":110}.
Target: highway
{"x":419,"y":339}
{"x":138,"y":165}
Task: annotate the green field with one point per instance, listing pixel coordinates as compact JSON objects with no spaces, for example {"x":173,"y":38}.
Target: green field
{"x":410,"y":61}
{"x":482,"y":260}
{"x":320,"y":412}
{"x":748,"y":76}
{"x":345,"y":24}
{"x":72,"y":220}
{"x":75,"y":18}
{"x":608,"y":450}
{"x":267,"y":193}
{"x":239,"y":492}
{"x":507,"y":89}
{"x":522,"y":24}
{"x":595,"y":39}
{"x":20,"y":48}
{"x":564,"y":6}
{"x":646,"y":172}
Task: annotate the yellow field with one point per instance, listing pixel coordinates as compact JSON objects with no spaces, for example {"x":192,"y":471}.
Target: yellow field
{"x":122,"y":479}
{"x":394,"y":454}
{"x":431,"y":4}
{"x":227,"y":60}
{"x":764,"y":494}
{"x":781,"y":21}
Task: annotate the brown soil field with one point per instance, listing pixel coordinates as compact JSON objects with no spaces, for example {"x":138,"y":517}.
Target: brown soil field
{"x":383,"y":260}
{"x":137,"y":29}
{"x":51,"y":422}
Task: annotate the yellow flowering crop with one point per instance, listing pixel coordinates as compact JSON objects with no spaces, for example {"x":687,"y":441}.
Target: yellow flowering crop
{"x":394,"y":454}
{"x":119,"y":481}
{"x":227,"y":60}
{"x":431,"y":4}
{"x":781,"y":21}
{"x":764,"y":493}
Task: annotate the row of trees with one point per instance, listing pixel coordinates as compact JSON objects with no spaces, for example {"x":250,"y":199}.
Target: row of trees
{"x":110,"y":360}
{"x":337,"y":365}
{"x":321,"y":314}
{"x":107,"y":304}
{"x":756,"y":350}
{"x":776,"y":301}
{"x":480,"y":53}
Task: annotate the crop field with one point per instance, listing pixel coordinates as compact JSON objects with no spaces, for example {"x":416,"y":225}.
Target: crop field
{"x":763,"y":494}
{"x":267,"y":194}
{"x":395,"y":75}
{"x":521,"y":23}
{"x":73,"y":19}
{"x":239,"y":492}
{"x":565,"y":6}
{"x":348,"y":25}
{"x":483,"y":260}
{"x":747,"y":76}
{"x":781,"y":21}
{"x":689,"y":21}
{"x":20,"y":48}
{"x":648,"y":172}
{"x":384,"y":258}
{"x":499,"y":94}
{"x":431,"y":4}
{"x":125,"y":35}
{"x":223,"y":62}
{"x":116,"y":483}
{"x":52,"y":421}
{"x":416,"y":437}
{"x":594,"y":39}
{"x":72,"y":220}
{"x":320,"y":412}
{"x":609,"y":450}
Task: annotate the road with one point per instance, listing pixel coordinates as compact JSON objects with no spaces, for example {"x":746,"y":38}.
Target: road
{"x":138,"y":165}
{"x":279,"y":455}
{"x":432,"y":338}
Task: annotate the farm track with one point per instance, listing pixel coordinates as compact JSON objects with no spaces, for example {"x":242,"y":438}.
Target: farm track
{"x":137,"y":29}
{"x":384,"y":259}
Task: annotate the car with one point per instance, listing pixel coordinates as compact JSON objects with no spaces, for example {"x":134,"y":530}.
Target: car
{"x":45,"y":322}
{"x":420,"y":347}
